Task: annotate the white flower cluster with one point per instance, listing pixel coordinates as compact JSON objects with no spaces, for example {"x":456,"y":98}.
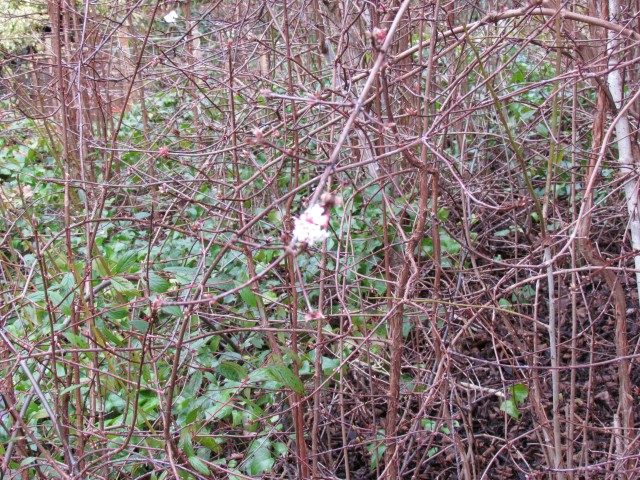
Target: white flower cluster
{"x":311,"y":226}
{"x":171,"y":17}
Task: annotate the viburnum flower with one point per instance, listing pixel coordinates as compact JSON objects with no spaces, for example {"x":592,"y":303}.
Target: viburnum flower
{"x":171,"y":17}
{"x":311,"y":226}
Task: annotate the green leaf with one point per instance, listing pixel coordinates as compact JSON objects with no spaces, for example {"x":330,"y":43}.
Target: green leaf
{"x":76,"y":340}
{"x":158,"y":284}
{"x":194,"y":384}
{"x":289,"y":354}
{"x":67,"y":284}
{"x":428,"y":424}
{"x":123,"y":286}
{"x":183,"y":275}
{"x":125,"y":261}
{"x":209,"y":443}
{"x":503,"y":302}
{"x":407,"y":326}
{"x":449,"y":245}
{"x":199,"y":465}
{"x":248,"y":297}
{"x":186,"y":443}
{"x":330,"y":365}
{"x":377,"y":452}
{"x":140,"y":325}
{"x":260,"y":458}
{"x":116,"y":314}
{"x":260,"y":375}
{"x":55,"y":298}
{"x":68,"y":389}
{"x":174,"y":310}
{"x":101,"y":268}
{"x":284,"y":376}
{"x":108,"y":334}
{"x":28,"y":461}
{"x":519,"y":393}
{"x":232,"y":371}
{"x":510,"y":408}
{"x":280,"y":448}
{"x":269,"y":297}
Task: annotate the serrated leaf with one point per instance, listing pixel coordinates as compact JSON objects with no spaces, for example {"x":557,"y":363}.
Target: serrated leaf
{"x":36,"y":296}
{"x":40,"y":414}
{"x":158,"y":284}
{"x":99,"y":265}
{"x":284,"y":376}
{"x":289,"y":354}
{"x":199,"y":465}
{"x":67,"y":283}
{"x":57,"y":300}
{"x":123,"y":286}
{"x":407,"y":326}
{"x":377,"y":452}
{"x":232,"y":371}
{"x":125,"y":261}
{"x":280,"y":448}
{"x":330,"y":365}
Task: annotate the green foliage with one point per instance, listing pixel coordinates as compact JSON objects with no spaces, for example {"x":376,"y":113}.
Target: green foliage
{"x":376,"y":450}
{"x":517,"y":396}
{"x":127,"y":243}
{"x":21,"y":22}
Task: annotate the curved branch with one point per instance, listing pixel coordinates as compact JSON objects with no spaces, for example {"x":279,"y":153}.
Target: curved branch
{"x":494,"y":17}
